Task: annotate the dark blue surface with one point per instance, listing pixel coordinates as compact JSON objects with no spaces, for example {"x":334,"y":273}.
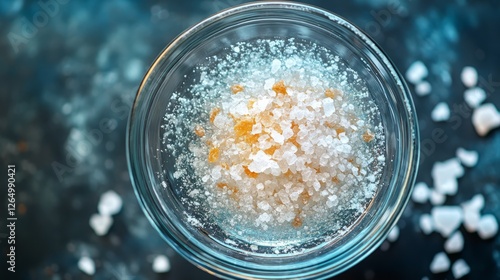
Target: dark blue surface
{"x":68,"y":84}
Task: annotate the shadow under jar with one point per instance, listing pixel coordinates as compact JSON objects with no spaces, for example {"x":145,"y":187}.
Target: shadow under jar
{"x":217,"y":179}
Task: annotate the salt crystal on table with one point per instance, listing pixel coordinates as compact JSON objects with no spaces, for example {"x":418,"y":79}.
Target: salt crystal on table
{"x":472,"y":209}
{"x":441,"y":112}
{"x":416,"y":72}
{"x":100,"y":223}
{"x":474,"y":96}
{"x":110,"y":203}
{"x":423,"y":88}
{"x":476,"y":203}
{"x":440,"y":263}
{"x":469,"y":76}
{"x":437,"y":198}
{"x":393,"y":234}
{"x":446,"y":219}
{"x":485,"y":118}
{"x":445,"y":174}
{"x":86,"y":265}
{"x":426,"y":223}
{"x":161,"y":264}
{"x":421,"y":193}
{"x":487,"y":227}
{"x":455,"y":243}
{"x":460,"y":268}
{"x":468,"y":158}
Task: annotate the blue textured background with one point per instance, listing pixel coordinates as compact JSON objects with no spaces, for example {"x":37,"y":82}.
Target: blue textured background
{"x":79,"y":69}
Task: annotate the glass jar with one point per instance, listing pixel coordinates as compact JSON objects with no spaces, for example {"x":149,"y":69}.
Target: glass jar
{"x":151,"y":169}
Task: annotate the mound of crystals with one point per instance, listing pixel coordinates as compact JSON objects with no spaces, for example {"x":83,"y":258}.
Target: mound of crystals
{"x":282,"y":137}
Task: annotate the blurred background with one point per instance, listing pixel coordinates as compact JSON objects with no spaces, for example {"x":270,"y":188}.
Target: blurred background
{"x":69,"y":71}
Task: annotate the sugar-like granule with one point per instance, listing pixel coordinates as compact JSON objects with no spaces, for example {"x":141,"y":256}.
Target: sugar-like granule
{"x":469,"y":76}
{"x":446,"y":219}
{"x":487,"y":226}
{"x":474,"y":96}
{"x":426,"y":224}
{"x":283,"y":142}
{"x":421,"y":192}
{"x":416,"y":72}
{"x":100,"y":223}
{"x":468,"y":158}
{"x":485,"y":118}
{"x":161,"y":264}
{"x":440,"y":263}
{"x":460,"y":268}
{"x":86,"y":265}
{"x":441,"y":112}
{"x":455,"y":243}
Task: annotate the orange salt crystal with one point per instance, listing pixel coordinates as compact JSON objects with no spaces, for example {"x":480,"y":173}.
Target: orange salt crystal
{"x":200,"y":131}
{"x":243,"y":127}
{"x":250,"y":173}
{"x":213,"y":113}
{"x":368,"y":136}
{"x":335,"y":180}
{"x":297,"y":222}
{"x":250,"y":103}
{"x":213,"y":154}
{"x":237,"y":88}
{"x":305,"y":196}
{"x":225,"y":165}
{"x":221,"y":185}
{"x":332,"y":92}
{"x":280,"y":88}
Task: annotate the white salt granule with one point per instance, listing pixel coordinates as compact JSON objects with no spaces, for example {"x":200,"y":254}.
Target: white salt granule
{"x":455,"y":243}
{"x":446,"y":219}
{"x":100,"y":223}
{"x":460,"y":268}
{"x":328,"y":107}
{"x":275,"y":66}
{"x":445,"y":174}
{"x":441,"y":112}
{"x":468,"y":158}
{"x":161,"y":264}
{"x":393,"y":234}
{"x":423,"y":88}
{"x":110,"y":203}
{"x":421,"y":193}
{"x":416,"y":72}
{"x":440,"y":263}
{"x":485,"y":118}
{"x":474,"y":96}
{"x":487,"y":227}
{"x":425,"y":223}
{"x":86,"y":265}
{"x":469,"y":76}
{"x":436,"y":198}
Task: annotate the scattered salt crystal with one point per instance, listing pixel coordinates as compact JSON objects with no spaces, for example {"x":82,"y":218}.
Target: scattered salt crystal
{"x":472,"y":209}
{"x":440,"y":263}
{"x":100,"y":223}
{"x":416,"y":72}
{"x":421,"y":193}
{"x":277,"y":137}
{"x":446,"y":219}
{"x":328,"y":107}
{"x":161,"y":264}
{"x":469,"y":76}
{"x":393,"y":234}
{"x":460,"y":268}
{"x":86,"y":265}
{"x":474,"y":96}
{"x":487,"y":227}
{"x":468,"y":158}
{"x":269,"y":83}
{"x":423,"y":88}
{"x":425,"y":223}
{"x":437,"y":198}
{"x":110,"y":203}
{"x":445,"y":174}
{"x":485,"y":118}
{"x":455,"y":243}
{"x":476,"y":203}
{"x":275,"y":66}
{"x":441,"y":112}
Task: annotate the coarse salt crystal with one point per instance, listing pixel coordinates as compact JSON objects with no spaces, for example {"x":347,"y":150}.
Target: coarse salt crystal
{"x":455,"y":243}
{"x":425,"y":223}
{"x":275,"y":66}
{"x":445,"y":174}
{"x":440,"y":263}
{"x":485,"y":118}
{"x":423,"y":88}
{"x":86,"y":265}
{"x":436,"y":198}
{"x":416,"y":72}
{"x":487,"y":227}
{"x":110,"y":203}
{"x":474,"y":96}
{"x":421,"y":193}
{"x":393,"y":234}
{"x":469,"y":76}
{"x":100,"y":223}
{"x":441,"y":112}
{"x":460,"y":268}
{"x":328,"y":107}
{"x":446,"y":219}
{"x":468,"y":158}
{"x":161,"y":264}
